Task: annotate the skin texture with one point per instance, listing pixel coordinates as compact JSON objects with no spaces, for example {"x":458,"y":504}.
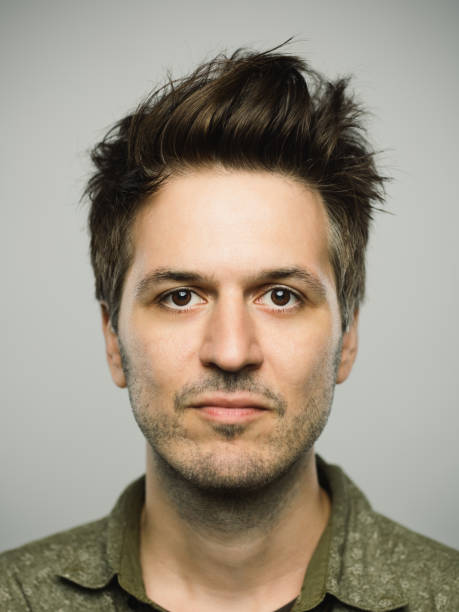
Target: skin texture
{"x":231,"y":495}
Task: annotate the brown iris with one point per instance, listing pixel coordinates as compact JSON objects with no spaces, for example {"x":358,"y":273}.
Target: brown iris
{"x":181,"y":297}
{"x":280,"y":297}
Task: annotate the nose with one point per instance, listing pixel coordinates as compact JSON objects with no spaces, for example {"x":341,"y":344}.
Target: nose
{"x":230,"y":341}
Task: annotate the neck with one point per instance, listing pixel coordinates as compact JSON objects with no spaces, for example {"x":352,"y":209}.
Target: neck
{"x":239,"y":539}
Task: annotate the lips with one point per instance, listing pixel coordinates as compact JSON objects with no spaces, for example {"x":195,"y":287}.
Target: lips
{"x":230,"y":409}
{"x":230,"y":401}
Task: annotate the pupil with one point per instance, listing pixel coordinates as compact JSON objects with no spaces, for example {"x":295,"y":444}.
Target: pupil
{"x":181,"y":298}
{"x":280,"y":297}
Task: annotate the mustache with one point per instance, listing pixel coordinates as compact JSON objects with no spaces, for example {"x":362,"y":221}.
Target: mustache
{"x":228,"y":382}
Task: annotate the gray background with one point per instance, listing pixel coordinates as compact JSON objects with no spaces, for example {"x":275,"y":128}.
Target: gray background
{"x":69,"y":69}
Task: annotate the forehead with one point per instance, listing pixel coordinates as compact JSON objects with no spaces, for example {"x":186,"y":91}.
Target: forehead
{"x":226,"y":221}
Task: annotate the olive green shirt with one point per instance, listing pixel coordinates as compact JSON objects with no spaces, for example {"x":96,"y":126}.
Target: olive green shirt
{"x":363,"y":561}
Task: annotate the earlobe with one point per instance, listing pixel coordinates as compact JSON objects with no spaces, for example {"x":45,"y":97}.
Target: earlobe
{"x":112,"y":349}
{"x":348,"y":350}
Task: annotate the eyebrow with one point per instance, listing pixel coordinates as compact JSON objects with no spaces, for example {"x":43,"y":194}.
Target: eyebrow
{"x":264,"y":276}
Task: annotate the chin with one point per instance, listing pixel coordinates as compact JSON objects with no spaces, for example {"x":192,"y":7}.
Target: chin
{"x":225,"y":470}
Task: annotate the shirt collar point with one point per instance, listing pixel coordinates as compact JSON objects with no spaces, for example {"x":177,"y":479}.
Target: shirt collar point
{"x":369,"y":604}
{"x":89,"y":580}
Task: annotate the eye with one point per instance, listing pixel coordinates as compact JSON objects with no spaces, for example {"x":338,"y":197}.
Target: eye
{"x":181,"y":299}
{"x":280,"y":297}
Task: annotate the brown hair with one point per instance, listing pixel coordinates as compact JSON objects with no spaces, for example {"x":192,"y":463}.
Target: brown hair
{"x":260,"y":111}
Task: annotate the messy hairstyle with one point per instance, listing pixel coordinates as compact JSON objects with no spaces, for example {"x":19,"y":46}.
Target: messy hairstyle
{"x":250,"y":111}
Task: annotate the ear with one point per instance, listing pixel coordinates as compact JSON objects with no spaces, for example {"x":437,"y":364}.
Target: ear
{"x":348,"y":350}
{"x":112,"y":349}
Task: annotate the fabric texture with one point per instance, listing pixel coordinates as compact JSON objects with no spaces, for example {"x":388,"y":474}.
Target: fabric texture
{"x":364,"y":561}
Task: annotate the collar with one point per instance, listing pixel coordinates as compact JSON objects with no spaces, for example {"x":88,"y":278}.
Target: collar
{"x":358,"y":569}
{"x":109,"y":545}
{"x":360,"y":572}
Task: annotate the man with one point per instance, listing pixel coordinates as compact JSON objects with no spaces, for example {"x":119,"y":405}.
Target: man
{"x":229,"y":219}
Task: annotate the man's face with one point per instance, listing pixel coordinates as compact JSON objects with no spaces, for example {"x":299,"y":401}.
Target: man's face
{"x":229,"y":329}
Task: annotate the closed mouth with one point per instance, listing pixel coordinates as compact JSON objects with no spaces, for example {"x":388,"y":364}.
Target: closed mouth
{"x":230,"y":409}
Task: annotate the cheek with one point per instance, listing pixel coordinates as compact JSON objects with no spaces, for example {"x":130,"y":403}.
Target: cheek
{"x":162,"y":357}
{"x":297,"y":360}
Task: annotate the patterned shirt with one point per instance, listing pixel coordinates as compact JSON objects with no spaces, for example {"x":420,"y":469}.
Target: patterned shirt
{"x":363,"y":561}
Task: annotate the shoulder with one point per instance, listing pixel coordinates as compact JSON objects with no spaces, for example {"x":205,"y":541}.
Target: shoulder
{"x":375,"y":560}
{"x":37,"y":567}
{"x":410,"y":546}
{"x":52,"y":551}
{"x":426,"y":568}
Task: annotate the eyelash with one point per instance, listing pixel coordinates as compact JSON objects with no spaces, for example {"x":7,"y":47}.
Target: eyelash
{"x":178,"y":310}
